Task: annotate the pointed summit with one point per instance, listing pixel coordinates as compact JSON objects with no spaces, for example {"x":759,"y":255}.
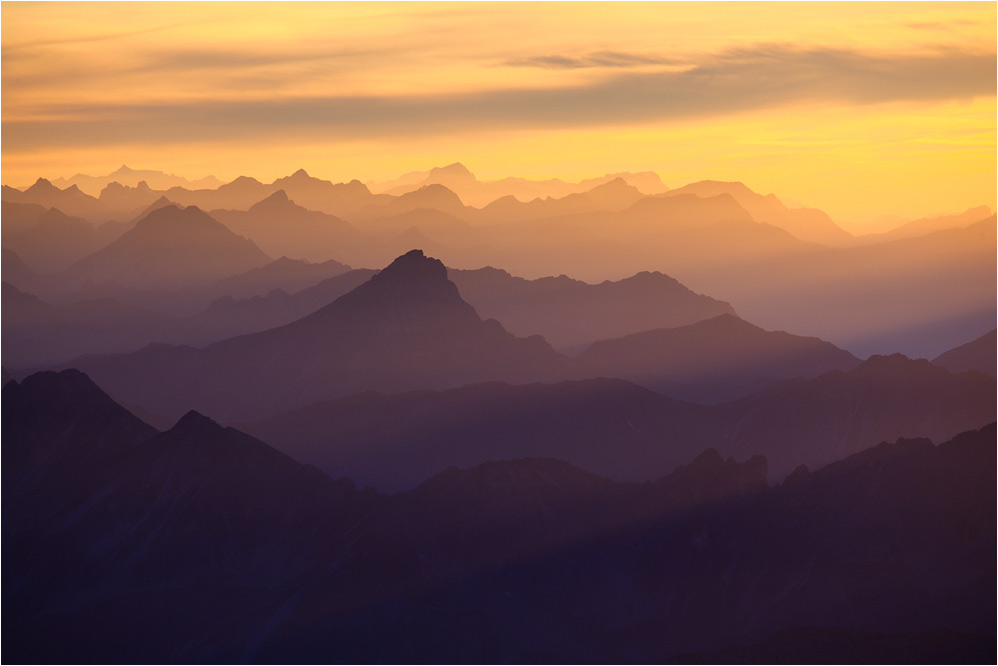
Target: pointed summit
{"x":301,"y":174}
{"x":414,"y":265}
{"x":195,"y":422}
{"x":412,"y":290}
{"x":277,"y":200}
{"x":42,"y":184}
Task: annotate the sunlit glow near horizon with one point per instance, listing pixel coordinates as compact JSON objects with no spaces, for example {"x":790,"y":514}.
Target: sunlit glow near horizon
{"x":860,"y":109}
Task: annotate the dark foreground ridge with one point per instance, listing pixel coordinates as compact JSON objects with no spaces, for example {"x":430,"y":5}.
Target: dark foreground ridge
{"x":202,"y":544}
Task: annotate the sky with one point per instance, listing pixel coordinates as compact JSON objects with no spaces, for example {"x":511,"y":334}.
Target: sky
{"x":860,"y":109}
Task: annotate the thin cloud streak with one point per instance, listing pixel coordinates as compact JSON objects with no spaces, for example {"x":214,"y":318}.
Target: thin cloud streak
{"x":614,"y":59}
{"x":736,"y":81}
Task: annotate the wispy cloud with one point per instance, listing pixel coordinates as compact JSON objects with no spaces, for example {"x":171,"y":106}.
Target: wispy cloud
{"x":615,"y":59}
{"x":746,"y":79}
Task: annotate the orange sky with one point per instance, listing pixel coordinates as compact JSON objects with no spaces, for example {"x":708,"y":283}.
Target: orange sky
{"x":860,"y":109}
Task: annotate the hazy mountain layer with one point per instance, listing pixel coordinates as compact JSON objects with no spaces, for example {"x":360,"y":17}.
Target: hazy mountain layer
{"x":171,"y":247}
{"x":712,"y":361}
{"x":201,"y":544}
{"x":979,"y":355}
{"x":405,"y":328}
{"x":617,"y":429}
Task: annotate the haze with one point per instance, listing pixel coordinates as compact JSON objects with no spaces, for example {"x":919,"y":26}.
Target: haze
{"x":860,"y":109}
{"x":499,"y":333}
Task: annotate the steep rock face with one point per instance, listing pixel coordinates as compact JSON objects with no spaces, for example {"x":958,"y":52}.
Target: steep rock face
{"x":406,"y":328}
{"x":979,"y":355}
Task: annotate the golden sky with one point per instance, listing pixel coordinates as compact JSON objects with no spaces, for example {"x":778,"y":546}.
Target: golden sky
{"x":860,"y":109}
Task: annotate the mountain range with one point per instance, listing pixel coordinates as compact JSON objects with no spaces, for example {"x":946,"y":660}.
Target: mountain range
{"x":203,"y":544}
{"x":405,"y":328}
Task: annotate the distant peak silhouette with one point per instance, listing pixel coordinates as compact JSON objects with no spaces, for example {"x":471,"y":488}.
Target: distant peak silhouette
{"x":194,"y":421}
{"x":455,"y":170}
{"x":414,"y":266}
{"x":300,"y":173}
{"x":278,"y":199}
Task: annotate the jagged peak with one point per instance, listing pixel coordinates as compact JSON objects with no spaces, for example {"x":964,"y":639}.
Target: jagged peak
{"x":300,"y":173}
{"x":413,"y":265}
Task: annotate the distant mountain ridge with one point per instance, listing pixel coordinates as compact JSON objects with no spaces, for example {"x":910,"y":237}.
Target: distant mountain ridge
{"x":170,"y":247}
{"x":127,"y":177}
{"x":459,"y":179}
{"x":714,"y":360}
{"x":392,"y":441}
{"x":113,"y":531}
{"x":406,"y":327}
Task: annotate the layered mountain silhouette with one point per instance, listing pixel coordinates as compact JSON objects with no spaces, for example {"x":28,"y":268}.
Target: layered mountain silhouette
{"x":807,"y":224}
{"x":615,"y":195}
{"x":929,"y":225}
{"x":283,"y":228}
{"x":71,"y":200}
{"x":286,"y":274}
{"x":717,"y":360}
{"x":405,"y":328}
{"x":392,"y":441}
{"x":203,"y":544}
{"x":837,"y":414}
{"x":15,"y":271}
{"x":47,"y":239}
{"x":979,"y":355}
{"x":459,"y":179}
{"x":37,"y":333}
{"x":135,"y":178}
{"x":170,"y":247}
{"x":190,"y":515}
{"x":126,"y":200}
{"x":570,"y":313}
{"x":566,"y":312}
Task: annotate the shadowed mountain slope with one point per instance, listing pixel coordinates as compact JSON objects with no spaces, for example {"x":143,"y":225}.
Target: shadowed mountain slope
{"x":807,"y":224}
{"x":979,"y":355}
{"x":70,"y":200}
{"x":837,"y":414}
{"x":171,"y":247}
{"x":99,"y":506}
{"x":36,"y":333}
{"x":281,"y":227}
{"x":405,"y":328}
{"x":47,"y":240}
{"x":717,"y":360}
{"x":614,"y":428}
{"x":201,"y":544}
{"x":569,"y":312}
